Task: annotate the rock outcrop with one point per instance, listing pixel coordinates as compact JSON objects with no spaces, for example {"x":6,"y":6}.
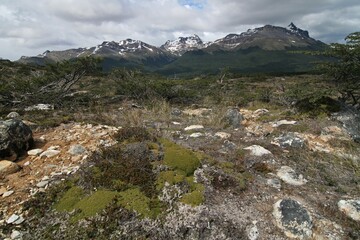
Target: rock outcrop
{"x":15,"y":138}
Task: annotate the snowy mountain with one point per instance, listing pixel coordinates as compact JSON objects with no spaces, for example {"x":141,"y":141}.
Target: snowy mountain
{"x":184,"y":44}
{"x":268,"y":38}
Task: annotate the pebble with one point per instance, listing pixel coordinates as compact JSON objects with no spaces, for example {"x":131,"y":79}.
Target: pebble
{"x":42,"y":184}
{"x":194,"y":127}
{"x":35,"y":152}
{"x":8,"y":193}
{"x":284,"y":122}
{"x":196,"y":135}
{"x":257,"y":150}
{"x":12,"y":219}
{"x":15,"y":234}
{"x":49,"y":153}
{"x":223,"y":135}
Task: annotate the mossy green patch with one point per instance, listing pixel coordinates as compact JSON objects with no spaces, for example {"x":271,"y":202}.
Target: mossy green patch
{"x":94,"y":203}
{"x":134,"y":199}
{"x":70,"y":199}
{"x":172,"y":177}
{"x":180,"y":158}
{"x":195,"y":197}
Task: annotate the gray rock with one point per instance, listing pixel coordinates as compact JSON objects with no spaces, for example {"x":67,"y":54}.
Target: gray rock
{"x":194,"y":127}
{"x":12,"y":219}
{"x":293,"y":219}
{"x":15,"y":234}
{"x":49,"y":153}
{"x":289,"y":140}
{"x":196,"y":135}
{"x":35,"y":152}
{"x":77,"y":150}
{"x":233,"y":117}
{"x":13,"y":115}
{"x":42,"y":184}
{"x":15,"y":138}
{"x":288,"y":175}
{"x":351,"y":208}
{"x":350,"y":119}
{"x":8,"y":193}
{"x":41,"y":107}
{"x":257,"y":150}
{"x":176,"y":112}
{"x":7,"y":167}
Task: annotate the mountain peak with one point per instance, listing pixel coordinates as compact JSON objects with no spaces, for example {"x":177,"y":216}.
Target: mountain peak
{"x":294,"y":29}
{"x":184,"y":44}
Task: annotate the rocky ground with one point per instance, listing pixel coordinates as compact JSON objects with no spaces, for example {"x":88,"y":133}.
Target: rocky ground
{"x":299,"y":178}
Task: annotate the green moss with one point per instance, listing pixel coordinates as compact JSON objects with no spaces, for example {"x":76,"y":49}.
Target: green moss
{"x":180,"y":158}
{"x":172,"y":177}
{"x":196,"y":197}
{"x":70,"y":199}
{"x":94,"y":203}
{"x":134,"y":199}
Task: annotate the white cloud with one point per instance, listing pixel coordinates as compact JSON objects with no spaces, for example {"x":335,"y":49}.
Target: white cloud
{"x":31,"y":27}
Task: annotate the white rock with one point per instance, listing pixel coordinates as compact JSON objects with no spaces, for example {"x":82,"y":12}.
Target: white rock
{"x":19,"y":221}
{"x":41,"y":106}
{"x":15,"y":234}
{"x":284,"y":122}
{"x":196,"y":135}
{"x":253,"y":233}
{"x":351,"y":208}
{"x":223,"y":135}
{"x":12,"y":218}
{"x":26,"y":164}
{"x":35,"y":152}
{"x":8,"y":193}
{"x":8,"y":167}
{"x":194,"y":127}
{"x":56,"y":147}
{"x":49,"y":153}
{"x":288,"y":175}
{"x":261,"y":111}
{"x":42,"y":184}
{"x":176,"y":123}
{"x":257,"y":150}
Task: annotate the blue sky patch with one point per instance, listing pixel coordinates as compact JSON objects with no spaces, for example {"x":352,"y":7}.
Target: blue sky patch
{"x":197,"y":4}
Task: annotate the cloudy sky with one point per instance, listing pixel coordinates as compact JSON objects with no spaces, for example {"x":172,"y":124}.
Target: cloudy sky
{"x":29,"y":27}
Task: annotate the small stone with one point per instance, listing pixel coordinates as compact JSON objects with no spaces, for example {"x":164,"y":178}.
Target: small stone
{"x":8,"y":193}
{"x":26,"y":164}
{"x":176,"y":123}
{"x":194,"y":127}
{"x":15,"y":234}
{"x":77,"y":150}
{"x":49,"y":153}
{"x":289,"y":140}
{"x":8,"y":167}
{"x":42,"y":184}
{"x":253,"y":232}
{"x":351,"y":208}
{"x":12,"y":219}
{"x":293,"y":219}
{"x":273,"y":182}
{"x":196,"y":135}
{"x":261,"y":111}
{"x":284,"y":122}
{"x":257,"y":150}
{"x":19,"y":221}
{"x":35,"y":152}
{"x":288,"y":175}
{"x":45,"y":178}
{"x":223,"y":135}
{"x":13,"y":115}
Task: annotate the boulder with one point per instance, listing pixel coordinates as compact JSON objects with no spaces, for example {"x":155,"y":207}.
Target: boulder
{"x":351,"y":208}
{"x":293,"y":219}
{"x":15,"y":138}
{"x":233,"y":117}
{"x":77,"y":150}
{"x":7,"y":167}
{"x":289,"y":140}
{"x":350,"y":119}
{"x":288,"y":175}
{"x":13,"y":115}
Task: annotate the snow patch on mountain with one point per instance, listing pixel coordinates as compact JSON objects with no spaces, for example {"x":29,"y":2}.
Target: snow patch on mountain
{"x":184,"y":44}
